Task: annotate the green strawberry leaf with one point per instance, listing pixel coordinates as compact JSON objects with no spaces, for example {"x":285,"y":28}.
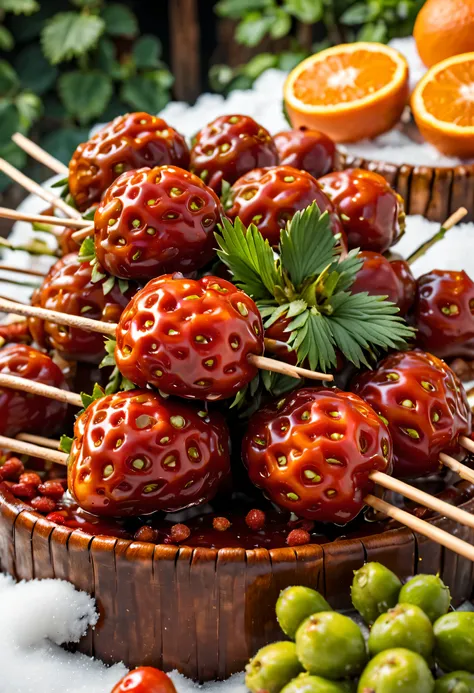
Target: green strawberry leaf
{"x":87,"y":250}
{"x":60,"y":183}
{"x":65,"y":444}
{"x":108,"y":285}
{"x":97,"y":393}
{"x":85,"y":95}
{"x":97,"y":275}
{"x":69,"y":35}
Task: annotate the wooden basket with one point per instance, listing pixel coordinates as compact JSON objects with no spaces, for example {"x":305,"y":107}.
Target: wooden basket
{"x":203,"y":611}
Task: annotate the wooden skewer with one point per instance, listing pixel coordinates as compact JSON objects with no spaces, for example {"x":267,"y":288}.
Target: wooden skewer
{"x":467,"y":443}
{"x":423,"y":498}
{"x":39,"y":440}
{"x":448,"y":224}
{"x":36,"y":189}
{"x":417,"y":525}
{"x":19,"y":270}
{"x":14,"y":382}
{"x":40,"y":154}
{"x":6,"y":213}
{"x":23,"y":448}
{"x":455,"y":466}
{"x":109,"y":329}
{"x":79,"y":236}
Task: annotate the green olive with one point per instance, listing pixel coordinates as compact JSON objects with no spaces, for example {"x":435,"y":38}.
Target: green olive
{"x":295,"y":604}
{"x":456,"y":682}
{"x":272,"y":668}
{"x":331,"y":645}
{"x":407,"y":626}
{"x":454,"y":641}
{"x":374,"y":590}
{"x":429,"y":593}
{"x":305,"y":683}
{"x":396,"y":671}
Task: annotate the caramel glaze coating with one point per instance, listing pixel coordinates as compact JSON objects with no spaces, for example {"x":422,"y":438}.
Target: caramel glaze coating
{"x":307,"y":150}
{"x":381,"y":277}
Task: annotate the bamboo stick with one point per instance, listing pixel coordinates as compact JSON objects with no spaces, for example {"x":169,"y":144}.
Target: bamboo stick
{"x":445,"y":227}
{"x":14,"y":382}
{"x":455,"y":466}
{"x":6,"y":213}
{"x":39,"y":440}
{"x":38,"y":153}
{"x":467,"y":443}
{"x":37,"y":189}
{"x":23,"y":448}
{"x":19,"y":270}
{"x":79,"y":236}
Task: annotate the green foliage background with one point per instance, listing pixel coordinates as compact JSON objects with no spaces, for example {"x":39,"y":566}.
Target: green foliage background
{"x":69,"y":63}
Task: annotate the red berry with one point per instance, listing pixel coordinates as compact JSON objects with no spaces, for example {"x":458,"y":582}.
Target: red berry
{"x":43,"y":505}
{"x":425,"y":408}
{"x":147,"y":533}
{"x":298,"y":537}
{"x":307,"y":150}
{"x":380,"y":277}
{"x":145,"y":680}
{"x":23,"y":491}
{"x":255,"y":519}
{"x":129,"y":142}
{"x":51,"y":489}
{"x":56,"y":517}
{"x":312,"y":453}
{"x":371,"y":211}
{"x":30,"y":478}
{"x":180,"y":533}
{"x":135,"y":453}
{"x":229,"y":147}
{"x":15,"y":332}
{"x":444,"y":314}
{"x":12,"y":468}
{"x":221,"y":524}
{"x":68,"y":288}
{"x":269,"y":198}
{"x":156,"y":220}
{"x":23,"y":412}
{"x":190,"y":338}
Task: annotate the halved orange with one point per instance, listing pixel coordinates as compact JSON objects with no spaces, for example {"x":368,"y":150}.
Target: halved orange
{"x":443,"y":106}
{"x":350,"y":92}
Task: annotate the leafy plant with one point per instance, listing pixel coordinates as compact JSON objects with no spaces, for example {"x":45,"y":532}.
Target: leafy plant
{"x":75,"y":62}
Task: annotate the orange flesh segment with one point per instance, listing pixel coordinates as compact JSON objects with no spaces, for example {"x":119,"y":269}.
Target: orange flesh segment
{"x":344,"y":77}
{"x":449,"y":96}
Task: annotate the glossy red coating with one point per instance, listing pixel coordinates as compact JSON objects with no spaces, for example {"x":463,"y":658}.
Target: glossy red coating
{"x":66,"y":242}
{"x":14,"y":332}
{"x":229,"y":147}
{"x":371,"y":211}
{"x":23,"y":412}
{"x":68,"y":288}
{"x":130,"y":141}
{"x":269,"y":198}
{"x":444,"y":313}
{"x":135,"y":453}
{"x":425,"y":407}
{"x":145,"y":680}
{"x":156,"y":220}
{"x":380,"y":277}
{"x":190,"y":337}
{"x":312,"y":451}
{"x":308,"y":150}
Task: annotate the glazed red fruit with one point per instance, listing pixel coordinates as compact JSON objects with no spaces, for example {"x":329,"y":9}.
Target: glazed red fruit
{"x":307,"y":150}
{"x":190,"y":337}
{"x":129,"y":142}
{"x":156,"y":220}
{"x":444,"y":314}
{"x":15,"y":332}
{"x":312,"y":453}
{"x":228,"y":148}
{"x":68,"y":288}
{"x":135,"y":453}
{"x":371,"y":211}
{"x":269,"y":198}
{"x":380,"y":277}
{"x":23,"y":412}
{"x":425,"y":407}
{"x":66,"y":242}
{"x":145,"y":680}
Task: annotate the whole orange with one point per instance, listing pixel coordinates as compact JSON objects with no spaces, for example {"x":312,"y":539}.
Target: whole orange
{"x":444,"y":28}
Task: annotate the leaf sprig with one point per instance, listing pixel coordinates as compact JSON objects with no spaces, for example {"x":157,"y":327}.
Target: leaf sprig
{"x":306,"y":283}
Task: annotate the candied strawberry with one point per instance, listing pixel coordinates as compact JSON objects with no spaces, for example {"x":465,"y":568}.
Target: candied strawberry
{"x":15,"y":333}
{"x":269,"y":198}
{"x":135,"y":453}
{"x":145,"y":680}
{"x":312,"y":453}
{"x":68,"y":288}
{"x":371,"y":211}
{"x":425,"y":408}
{"x":444,"y":314}
{"x":66,"y":242}
{"x":23,"y":412}
{"x":156,"y":220}
{"x":380,"y":277}
{"x":127,"y":143}
{"x":228,"y":148}
{"x":307,"y":150}
{"x":190,"y":338}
